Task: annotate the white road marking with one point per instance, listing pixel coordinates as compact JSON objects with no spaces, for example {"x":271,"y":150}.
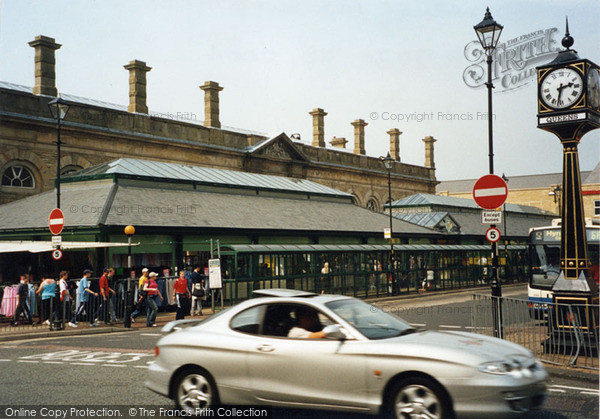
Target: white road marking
{"x":4,"y":360}
{"x":113,"y":365}
{"x":591,"y":393}
{"x":449,"y":326}
{"x":80,"y":363}
{"x":29,"y":362}
{"x":418,"y":324}
{"x":150,"y":334}
{"x":573,"y":388}
{"x":53,"y":362}
{"x":555,"y":390}
{"x":141,"y":366}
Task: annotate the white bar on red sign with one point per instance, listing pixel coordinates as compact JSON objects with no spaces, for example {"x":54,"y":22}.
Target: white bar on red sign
{"x":490,"y":192}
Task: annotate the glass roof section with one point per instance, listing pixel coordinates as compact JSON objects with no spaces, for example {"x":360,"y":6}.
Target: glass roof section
{"x":155,"y":170}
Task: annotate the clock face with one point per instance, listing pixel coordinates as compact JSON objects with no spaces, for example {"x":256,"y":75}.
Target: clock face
{"x":561,"y":88}
{"x":593,"y":88}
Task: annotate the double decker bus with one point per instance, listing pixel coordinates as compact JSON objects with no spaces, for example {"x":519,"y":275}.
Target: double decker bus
{"x":544,"y":263}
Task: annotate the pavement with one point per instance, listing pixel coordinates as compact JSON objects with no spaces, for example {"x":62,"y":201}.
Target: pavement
{"x":27,"y":332}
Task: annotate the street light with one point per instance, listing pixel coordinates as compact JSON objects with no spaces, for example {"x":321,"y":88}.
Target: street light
{"x":555,"y":193}
{"x":129,"y":232}
{"x":388,"y":163}
{"x":488,"y":32}
{"x":58,"y":108}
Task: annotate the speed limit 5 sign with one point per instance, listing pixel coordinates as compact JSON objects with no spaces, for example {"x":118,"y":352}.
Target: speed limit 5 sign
{"x":492,"y":234}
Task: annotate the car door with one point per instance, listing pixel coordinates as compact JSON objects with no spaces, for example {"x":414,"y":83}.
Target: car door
{"x":311,"y":372}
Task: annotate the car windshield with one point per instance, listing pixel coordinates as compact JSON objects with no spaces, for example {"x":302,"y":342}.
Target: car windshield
{"x":371,"y":321}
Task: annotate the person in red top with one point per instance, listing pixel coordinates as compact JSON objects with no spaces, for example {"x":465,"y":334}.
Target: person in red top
{"x":182,"y":295}
{"x":105,"y":301}
{"x":151,"y":287}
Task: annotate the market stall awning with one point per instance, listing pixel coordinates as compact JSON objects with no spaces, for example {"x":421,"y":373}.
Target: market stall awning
{"x":47,"y":246}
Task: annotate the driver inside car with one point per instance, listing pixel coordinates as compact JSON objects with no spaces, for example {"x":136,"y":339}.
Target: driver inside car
{"x":308,"y":326}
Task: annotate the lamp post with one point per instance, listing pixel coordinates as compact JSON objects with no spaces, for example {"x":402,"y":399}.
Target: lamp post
{"x":58,"y":108}
{"x":505,"y":179}
{"x":488,"y":32}
{"x":129,"y":232}
{"x":555,"y":193}
{"x":388,"y":163}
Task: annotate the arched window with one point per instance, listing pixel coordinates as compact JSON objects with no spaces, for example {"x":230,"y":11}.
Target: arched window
{"x":372,"y":205}
{"x":69,"y":169}
{"x":18,"y":177}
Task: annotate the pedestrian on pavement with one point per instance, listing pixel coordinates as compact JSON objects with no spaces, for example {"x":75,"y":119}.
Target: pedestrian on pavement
{"x":151,"y":288}
{"x":24,"y":302}
{"x":84,"y":291}
{"x":105,"y":303}
{"x":65,"y":297}
{"x":198,"y":298}
{"x":325,"y":278}
{"x":48,"y":289}
{"x":112,"y":296}
{"x":141,"y":300}
{"x":182,"y":295}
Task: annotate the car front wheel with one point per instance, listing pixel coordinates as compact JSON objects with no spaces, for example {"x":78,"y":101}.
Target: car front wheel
{"x":195,"y":390}
{"x":418,"y":397}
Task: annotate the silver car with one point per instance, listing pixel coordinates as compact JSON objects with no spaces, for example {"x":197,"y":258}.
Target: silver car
{"x":354,"y":357}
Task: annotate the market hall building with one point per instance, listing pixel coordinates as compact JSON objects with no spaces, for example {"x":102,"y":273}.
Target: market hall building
{"x":270,"y":230}
{"x":177,"y":210}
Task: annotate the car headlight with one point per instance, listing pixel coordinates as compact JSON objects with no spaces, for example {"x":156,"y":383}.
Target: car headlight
{"x":496,"y":367}
{"x":518,"y":366}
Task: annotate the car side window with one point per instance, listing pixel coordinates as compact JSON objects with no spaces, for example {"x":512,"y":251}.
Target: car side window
{"x":248,"y":321}
{"x":280,"y":318}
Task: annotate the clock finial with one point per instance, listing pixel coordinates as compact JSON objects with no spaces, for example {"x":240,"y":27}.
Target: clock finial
{"x":568,"y":40}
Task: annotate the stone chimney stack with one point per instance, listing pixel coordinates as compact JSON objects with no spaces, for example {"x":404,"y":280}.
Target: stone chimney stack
{"x":359,"y":136}
{"x":318,"y":115}
{"x":211,"y":104}
{"x":429,"y":160}
{"x":394,"y":134}
{"x":338,"y":142}
{"x":137,"y":86}
{"x":45,"y":63}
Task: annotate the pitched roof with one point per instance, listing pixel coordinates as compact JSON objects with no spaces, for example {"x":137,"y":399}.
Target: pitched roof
{"x":156,"y":170}
{"x":519,"y":182}
{"x":116,"y":107}
{"x":593,"y":177}
{"x":97,"y":203}
{"x":449,"y":202}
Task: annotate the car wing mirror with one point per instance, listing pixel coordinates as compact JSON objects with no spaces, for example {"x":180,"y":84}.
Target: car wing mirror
{"x":334,"y":331}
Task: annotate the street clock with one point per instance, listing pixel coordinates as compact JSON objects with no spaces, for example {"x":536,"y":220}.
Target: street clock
{"x":569,"y":106}
{"x":569,"y":94}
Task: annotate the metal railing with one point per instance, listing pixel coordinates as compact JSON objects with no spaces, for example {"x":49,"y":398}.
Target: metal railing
{"x":369,"y":284}
{"x":559,"y":334}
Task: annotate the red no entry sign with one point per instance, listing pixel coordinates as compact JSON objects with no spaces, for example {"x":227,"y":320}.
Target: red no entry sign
{"x":56,"y":221}
{"x":490,"y":192}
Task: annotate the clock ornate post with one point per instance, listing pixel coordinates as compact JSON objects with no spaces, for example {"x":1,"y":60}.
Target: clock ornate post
{"x":569,"y":107}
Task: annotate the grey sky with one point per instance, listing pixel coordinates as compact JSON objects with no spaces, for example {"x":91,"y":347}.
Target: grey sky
{"x":381,"y":61}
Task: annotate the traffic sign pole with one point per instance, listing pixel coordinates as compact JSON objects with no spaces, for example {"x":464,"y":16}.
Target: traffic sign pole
{"x":490,"y":192}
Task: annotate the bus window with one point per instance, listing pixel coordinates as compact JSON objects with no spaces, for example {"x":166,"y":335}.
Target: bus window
{"x":545,"y":266}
